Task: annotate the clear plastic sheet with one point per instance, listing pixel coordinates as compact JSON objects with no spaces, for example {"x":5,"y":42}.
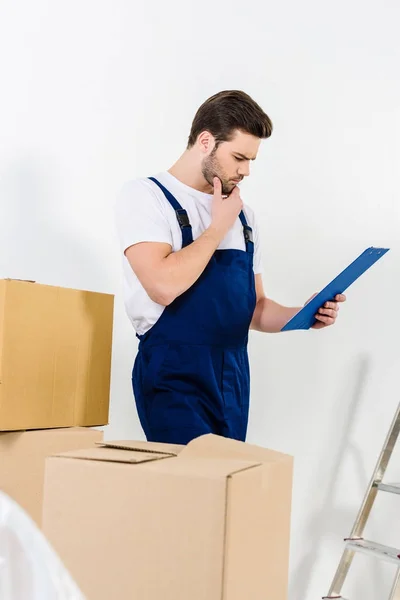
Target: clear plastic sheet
{"x":29,"y":567}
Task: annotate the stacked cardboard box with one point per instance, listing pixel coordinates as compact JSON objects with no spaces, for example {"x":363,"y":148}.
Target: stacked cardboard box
{"x":208,"y":521}
{"x":55,"y":360}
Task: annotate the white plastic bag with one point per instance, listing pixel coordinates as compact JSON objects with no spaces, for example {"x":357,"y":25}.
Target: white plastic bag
{"x":29,"y":567}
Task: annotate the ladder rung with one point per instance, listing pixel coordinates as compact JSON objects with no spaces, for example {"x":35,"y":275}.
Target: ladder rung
{"x":393,"y":488}
{"x":378,"y":550}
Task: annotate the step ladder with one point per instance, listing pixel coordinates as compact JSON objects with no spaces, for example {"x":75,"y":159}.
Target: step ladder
{"x":356,"y":542}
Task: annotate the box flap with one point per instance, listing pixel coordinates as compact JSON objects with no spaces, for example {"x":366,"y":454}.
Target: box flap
{"x":214,"y":446}
{"x":112,"y":455}
{"x":24,"y":280}
{"x":140,"y":446}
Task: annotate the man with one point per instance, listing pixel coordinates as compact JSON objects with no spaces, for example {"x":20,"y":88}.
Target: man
{"x":193,"y":284}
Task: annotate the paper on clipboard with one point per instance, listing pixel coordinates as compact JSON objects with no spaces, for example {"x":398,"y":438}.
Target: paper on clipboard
{"x":305,"y":318}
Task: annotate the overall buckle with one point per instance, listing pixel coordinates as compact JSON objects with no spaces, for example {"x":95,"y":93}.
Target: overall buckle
{"x":182,"y":217}
{"x":248,"y":233}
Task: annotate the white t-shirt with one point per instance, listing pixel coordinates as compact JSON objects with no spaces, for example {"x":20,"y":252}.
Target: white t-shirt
{"x":143,"y":214}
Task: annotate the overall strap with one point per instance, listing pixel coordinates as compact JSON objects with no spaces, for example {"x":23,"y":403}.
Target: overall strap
{"x":181,"y":214}
{"x":248,"y":234}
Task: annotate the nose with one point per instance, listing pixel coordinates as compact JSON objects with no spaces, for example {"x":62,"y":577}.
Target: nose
{"x":244,"y":170}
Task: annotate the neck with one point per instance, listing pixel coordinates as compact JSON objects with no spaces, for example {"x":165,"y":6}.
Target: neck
{"x":187,"y":170}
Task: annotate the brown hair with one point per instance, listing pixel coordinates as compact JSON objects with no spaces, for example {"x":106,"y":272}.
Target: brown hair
{"x":226,"y":112}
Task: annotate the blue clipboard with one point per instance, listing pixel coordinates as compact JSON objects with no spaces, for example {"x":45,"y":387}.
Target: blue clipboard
{"x":305,"y":318}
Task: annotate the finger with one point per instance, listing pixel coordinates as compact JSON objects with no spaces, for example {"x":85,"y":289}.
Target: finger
{"x":332,"y":305}
{"x":234,"y":193}
{"x":329,"y":312}
{"x":340,"y":298}
{"x":217,"y":186}
{"x":324,"y":319}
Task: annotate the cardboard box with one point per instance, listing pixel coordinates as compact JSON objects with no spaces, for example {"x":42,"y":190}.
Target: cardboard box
{"x":22,"y":461}
{"x":55,"y":356}
{"x":208,"y":521}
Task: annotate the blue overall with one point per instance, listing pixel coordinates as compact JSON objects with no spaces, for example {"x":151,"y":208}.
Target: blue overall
{"x":191,"y":374}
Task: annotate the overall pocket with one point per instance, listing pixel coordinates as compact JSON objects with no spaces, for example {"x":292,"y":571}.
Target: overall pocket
{"x":153,"y":360}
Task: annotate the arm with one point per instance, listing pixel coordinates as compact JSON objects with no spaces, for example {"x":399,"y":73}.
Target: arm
{"x":165,"y":274}
{"x":270,"y":317}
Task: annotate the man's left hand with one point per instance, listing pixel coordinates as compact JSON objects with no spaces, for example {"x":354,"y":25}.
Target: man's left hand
{"x":328,"y":313}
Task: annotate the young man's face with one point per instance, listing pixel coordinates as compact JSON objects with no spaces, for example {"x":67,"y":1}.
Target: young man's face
{"x":230,"y":162}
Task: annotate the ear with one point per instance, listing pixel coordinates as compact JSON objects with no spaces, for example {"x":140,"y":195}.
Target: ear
{"x":206,"y":142}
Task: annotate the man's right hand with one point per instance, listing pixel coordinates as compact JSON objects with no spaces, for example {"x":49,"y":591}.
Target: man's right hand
{"x":224,"y":211}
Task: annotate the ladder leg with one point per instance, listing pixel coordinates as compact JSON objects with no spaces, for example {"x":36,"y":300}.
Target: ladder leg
{"x":377,"y":476}
{"x":341,"y":574}
{"x":366,"y":507}
{"x":395,"y":593}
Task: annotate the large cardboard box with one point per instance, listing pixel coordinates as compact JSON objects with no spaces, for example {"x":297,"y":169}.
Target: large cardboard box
{"x":138,"y":520}
{"x":22,"y":461}
{"x":55,"y":356}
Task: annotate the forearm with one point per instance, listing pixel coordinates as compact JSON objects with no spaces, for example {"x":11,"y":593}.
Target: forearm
{"x":270,"y":317}
{"x":180,"y":270}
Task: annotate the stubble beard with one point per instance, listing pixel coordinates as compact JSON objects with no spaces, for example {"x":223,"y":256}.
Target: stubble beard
{"x":211,"y":168}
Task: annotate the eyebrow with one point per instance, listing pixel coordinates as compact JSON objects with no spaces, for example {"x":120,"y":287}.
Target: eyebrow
{"x":243,"y":156}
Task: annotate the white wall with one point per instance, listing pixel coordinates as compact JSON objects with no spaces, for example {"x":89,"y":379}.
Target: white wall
{"x":97,"y":92}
